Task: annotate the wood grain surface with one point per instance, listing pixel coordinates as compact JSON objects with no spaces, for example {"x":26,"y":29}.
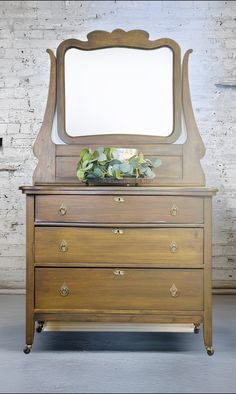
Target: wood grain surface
{"x":120,"y":208}
{"x":132,"y":245}
{"x":135,"y":289}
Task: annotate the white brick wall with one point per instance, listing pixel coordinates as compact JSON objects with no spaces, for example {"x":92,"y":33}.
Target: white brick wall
{"x":27,"y":28}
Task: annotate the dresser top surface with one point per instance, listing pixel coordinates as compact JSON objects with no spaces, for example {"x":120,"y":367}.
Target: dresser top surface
{"x":111,"y":190}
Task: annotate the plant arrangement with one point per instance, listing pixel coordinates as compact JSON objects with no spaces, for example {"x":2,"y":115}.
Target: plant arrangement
{"x":103,"y":163}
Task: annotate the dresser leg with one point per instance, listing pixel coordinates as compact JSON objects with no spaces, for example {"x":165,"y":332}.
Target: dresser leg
{"x":207,"y":332}
{"x":30,"y":323}
{"x":196,"y":328}
{"x":207,"y":318}
{"x":30,"y":328}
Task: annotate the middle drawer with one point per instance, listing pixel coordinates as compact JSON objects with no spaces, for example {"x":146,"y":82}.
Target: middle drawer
{"x":119,"y":245}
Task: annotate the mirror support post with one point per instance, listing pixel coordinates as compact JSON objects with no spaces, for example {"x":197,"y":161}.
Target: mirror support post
{"x":44,"y":149}
{"x":193,"y":148}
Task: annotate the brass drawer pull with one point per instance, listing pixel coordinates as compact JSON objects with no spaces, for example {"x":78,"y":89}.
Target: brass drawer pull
{"x":62,"y":210}
{"x":63,"y":246}
{"x":119,"y":272}
{"x":119,"y":199}
{"x":173,"y":247}
{"x":174,"y":291}
{"x":118,"y":231}
{"x":174,"y":210}
{"x":64,"y":290}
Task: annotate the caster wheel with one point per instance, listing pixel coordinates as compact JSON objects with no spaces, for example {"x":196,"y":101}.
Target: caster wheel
{"x":196,"y":329}
{"x":27,"y":349}
{"x":210,"y":351}
{"x":40,"y":327}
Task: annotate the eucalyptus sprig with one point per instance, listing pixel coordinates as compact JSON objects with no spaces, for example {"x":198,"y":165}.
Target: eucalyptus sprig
{"x":102,"y":163}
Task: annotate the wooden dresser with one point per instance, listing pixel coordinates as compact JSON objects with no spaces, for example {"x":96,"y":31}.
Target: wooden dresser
{"x":125,"y":258}
{"x":119,"y":255}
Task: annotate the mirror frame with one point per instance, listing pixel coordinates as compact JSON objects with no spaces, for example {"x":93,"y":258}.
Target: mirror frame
{"x":136,"y":39}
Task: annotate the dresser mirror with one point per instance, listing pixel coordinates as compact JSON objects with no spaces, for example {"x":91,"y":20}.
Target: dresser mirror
{"x":119,"y":91}
{"x":122,"y":90}
{"x":119,"y":87}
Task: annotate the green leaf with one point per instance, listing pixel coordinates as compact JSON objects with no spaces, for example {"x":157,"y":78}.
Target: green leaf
{"x":134,"y":161}
{"x":102,"y":157}
{"x":90,"y":176}
{"x":115,"y":161}
{"x":85,"y":163}
{"x":94,"y":156}
{"x":83,"y":152}
{"x":87,"y":156}
{"x":125,"y":167}
{"x":155,"y":161}
{"x":116,"y":167}
{"x":141,"y":158}
{"x":110,"y":171}
{"x":109,"y":153}
{"x":100,"y":150}
{"x":145,"y":165}
{"x":118,"y":174}
{"x":89,"y":166}
{"x":150,"y":173}
{"x":98,"y":173}
{"x":80,"y":174}
{"x":142,"y":170}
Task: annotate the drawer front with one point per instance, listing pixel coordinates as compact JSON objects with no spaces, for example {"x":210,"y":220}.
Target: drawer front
{"x":119,"y":245}
{"x":111,"y":289}
{"x":119,"y":209}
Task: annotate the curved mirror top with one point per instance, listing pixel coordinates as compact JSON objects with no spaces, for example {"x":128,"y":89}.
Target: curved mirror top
{"x":119,"y":91}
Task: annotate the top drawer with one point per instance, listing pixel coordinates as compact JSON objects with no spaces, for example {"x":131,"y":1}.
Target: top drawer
{"x":118,"y":209}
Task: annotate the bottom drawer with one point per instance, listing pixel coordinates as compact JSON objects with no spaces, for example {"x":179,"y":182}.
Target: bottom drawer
{"x":112,"y":289}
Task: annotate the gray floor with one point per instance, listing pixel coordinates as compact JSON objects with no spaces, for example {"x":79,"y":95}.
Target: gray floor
{"x":117,"y":362}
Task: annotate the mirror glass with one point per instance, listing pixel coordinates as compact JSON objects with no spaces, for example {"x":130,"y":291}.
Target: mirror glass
{"x":119,"y":91}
